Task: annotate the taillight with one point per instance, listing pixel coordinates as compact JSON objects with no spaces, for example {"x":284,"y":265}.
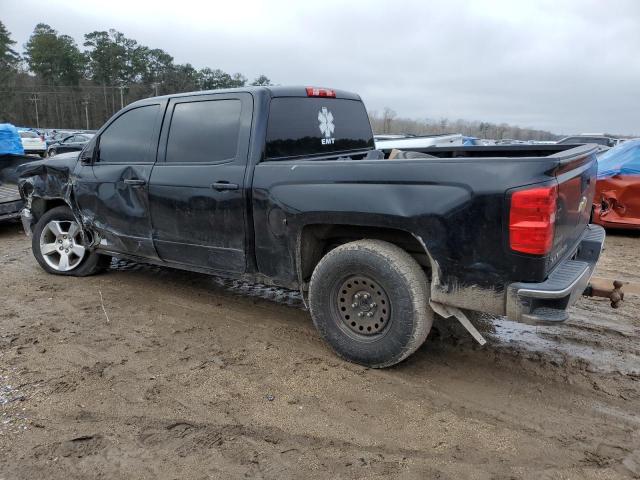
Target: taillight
{"x":532,"y":220}
{"x":320,"y":92}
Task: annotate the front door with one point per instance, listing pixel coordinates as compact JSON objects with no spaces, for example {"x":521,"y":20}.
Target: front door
{"x":112,"y":191}
{"x":197,"y":188}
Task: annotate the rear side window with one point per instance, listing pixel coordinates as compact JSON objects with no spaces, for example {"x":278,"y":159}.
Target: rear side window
{"x":205,"y":131}
{"x":301,"y":126}
{"x":129,"y":138}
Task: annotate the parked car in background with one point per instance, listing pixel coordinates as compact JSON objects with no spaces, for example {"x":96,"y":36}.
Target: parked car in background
{"x":424,"y":141}
{"x":617,"y":197}
{"x":56,"y":136}
{"x":32,"y":142}
{"x":71,"y":143}
{"x":390,"y":136}
{"x":604,"y":142}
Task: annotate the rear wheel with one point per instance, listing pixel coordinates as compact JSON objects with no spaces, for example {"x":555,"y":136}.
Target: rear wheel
{"x":59,"y":247}
{"x":369,"y":301}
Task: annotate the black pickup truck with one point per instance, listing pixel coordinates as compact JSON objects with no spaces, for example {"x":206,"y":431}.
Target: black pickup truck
{"x":284,"y":186}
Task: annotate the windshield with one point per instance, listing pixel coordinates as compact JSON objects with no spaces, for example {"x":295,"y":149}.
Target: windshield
{"x":28,"y":135}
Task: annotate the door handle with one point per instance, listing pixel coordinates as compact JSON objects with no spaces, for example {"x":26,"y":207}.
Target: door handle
{"x":134,"y":182}
{"x":224,"y":185}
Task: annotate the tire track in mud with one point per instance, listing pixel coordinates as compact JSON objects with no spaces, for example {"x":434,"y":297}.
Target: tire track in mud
{"x":196,"y":377}
{"x":580,"y":343}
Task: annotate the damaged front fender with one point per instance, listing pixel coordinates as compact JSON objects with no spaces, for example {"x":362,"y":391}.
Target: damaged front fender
{"x":46,"y":183}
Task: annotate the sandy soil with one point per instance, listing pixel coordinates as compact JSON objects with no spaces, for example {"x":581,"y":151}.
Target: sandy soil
{"x":181,"y":377}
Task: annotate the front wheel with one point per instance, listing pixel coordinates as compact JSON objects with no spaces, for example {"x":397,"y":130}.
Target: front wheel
{"x":59,"y":247}
{"x":369,"y":300}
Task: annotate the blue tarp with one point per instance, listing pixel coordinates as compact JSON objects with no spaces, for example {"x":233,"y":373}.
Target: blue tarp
{"x":10,"y":143}
{"x":621,"y":160}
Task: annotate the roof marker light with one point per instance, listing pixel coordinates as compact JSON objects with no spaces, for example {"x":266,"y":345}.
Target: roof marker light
{"x":320,"y":92}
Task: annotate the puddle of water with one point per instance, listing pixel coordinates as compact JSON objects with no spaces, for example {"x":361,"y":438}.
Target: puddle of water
{"x":540,"y":340}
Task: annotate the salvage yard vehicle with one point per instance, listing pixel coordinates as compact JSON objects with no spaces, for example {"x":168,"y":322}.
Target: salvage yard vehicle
{"x":617,"y":197}
{"x":11,"y":202}
{"x":600,"y":139}
{"x":283,"y":185}
{"x":70,"y":143}
{"x":11,"y":156}
{"x":423,"y":141}
{"x":32,"y":142}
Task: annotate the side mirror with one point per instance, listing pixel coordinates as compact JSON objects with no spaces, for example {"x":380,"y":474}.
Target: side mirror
{"x":90,"y":154}
{"x":86,"y":157}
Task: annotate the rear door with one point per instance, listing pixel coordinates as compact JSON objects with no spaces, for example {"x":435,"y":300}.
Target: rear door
{"x":197,"y":191}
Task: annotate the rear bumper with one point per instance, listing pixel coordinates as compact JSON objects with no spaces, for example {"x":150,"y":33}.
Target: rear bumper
{"x":548,"y":301}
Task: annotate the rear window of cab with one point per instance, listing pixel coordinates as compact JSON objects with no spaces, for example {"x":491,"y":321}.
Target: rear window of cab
{"x":306,"y":127}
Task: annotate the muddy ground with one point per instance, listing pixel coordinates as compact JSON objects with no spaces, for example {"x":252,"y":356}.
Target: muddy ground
{"x":180,"y":377}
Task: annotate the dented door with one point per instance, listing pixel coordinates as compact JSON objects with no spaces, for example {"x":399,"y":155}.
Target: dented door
{"x":112,"y":191}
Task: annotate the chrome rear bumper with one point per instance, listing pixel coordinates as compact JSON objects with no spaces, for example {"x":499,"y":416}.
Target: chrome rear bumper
{"x":548,"y":301}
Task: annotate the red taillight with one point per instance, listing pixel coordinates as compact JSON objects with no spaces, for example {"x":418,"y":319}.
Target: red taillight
{"x":532,"y":220}
{"x":320,"y":92}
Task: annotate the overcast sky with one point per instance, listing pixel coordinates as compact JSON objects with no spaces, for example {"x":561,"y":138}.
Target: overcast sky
{"x":563,"y":65}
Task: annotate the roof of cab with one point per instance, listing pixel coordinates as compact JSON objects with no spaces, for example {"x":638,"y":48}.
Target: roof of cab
{"x":277,"y":91}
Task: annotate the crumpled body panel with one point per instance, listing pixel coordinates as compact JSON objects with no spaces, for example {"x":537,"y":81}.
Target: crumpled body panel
{"x":47,"y":179}
{"x":617,"y":198}
{"x":617,"y":202}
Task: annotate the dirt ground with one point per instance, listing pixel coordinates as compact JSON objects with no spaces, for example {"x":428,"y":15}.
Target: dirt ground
{"x":181,"y":377}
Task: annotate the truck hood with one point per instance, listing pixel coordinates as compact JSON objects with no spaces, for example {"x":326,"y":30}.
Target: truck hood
{"x":63,"y":161}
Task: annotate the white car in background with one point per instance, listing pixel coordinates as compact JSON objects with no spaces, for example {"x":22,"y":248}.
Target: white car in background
{"x":32,"y":142}
{"x":408,"y":143}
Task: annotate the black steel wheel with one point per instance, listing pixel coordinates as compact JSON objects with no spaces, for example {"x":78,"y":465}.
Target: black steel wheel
{"x":369,"y":301}
{"x":363,"y":305}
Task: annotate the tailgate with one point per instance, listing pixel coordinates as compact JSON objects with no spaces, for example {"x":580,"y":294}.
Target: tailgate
{"x":576,"y":178}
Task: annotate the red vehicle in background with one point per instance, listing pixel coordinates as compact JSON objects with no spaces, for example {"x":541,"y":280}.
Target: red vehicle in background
{"x":617,"y":197}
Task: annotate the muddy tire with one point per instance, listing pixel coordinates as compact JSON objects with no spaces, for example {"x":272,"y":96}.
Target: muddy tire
{"x":369,"y":300}
{"x":58,"y":246}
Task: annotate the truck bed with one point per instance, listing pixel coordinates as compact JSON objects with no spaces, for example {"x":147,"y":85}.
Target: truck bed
{"x":10,"y":201}
{"x":491,"y":151}
{"x":9,"y":193}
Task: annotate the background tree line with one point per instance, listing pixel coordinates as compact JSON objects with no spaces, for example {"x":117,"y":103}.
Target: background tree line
{"x":388,"y":122}
{"x":73,"y":88}
{"x":70,"y":87}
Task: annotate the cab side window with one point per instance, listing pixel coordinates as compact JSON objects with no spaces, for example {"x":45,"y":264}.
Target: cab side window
{"x":204,"y":131}
{"x":129,"y":138}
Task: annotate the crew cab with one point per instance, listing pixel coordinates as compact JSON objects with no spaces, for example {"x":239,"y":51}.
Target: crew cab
{"x":284,"y":185}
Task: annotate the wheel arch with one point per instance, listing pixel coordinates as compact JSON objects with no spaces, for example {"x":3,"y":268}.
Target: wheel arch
{"x":39,"y":206}
{"x":317,"y":239}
